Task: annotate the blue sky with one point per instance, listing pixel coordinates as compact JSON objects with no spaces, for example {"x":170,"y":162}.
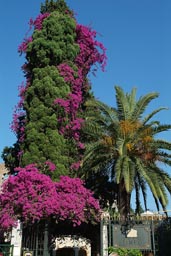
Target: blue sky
{"x":136,"y":33}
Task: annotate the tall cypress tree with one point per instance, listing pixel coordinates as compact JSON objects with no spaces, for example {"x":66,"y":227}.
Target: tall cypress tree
{"x":49,"y":116}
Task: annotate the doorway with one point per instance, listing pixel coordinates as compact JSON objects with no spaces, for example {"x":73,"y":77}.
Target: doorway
{"x":69,"y":251}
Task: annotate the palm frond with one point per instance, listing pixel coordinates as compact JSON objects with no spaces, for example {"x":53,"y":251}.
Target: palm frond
{"x":142,"y":104}
{"x":132,"y":100}
{"x":118,"y":169}
{"x":141,"y":184}
{"x":149,"y":116}
{"x":103,"y":108}
{"x":162,"y":176}
{"x":122,"y":103}
{"x":161,"y":128}
{"x":161,"y":144}
{"x":128,"y":174}
{"x":157,"y":188}
{"x":146,"y":175}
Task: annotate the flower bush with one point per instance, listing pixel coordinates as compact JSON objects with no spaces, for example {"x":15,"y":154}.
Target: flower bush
{"x":76,"y":203}
{"x":31,"y":196}
{"x":124,"y":251}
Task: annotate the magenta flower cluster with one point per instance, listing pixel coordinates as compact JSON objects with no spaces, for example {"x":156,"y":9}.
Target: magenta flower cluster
{"x":36,"y":24}
{"x":31,"y":196}
{"x":77,"y":203}
{"x":23,"y":46}
{"x":89,"y":55}
{"x":70,"y":126}
{"x":89,"y":49}
{"x":51,"y":166}
{"x":18,"y":123}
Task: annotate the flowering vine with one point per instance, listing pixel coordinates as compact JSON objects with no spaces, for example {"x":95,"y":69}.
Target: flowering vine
{"x":35,"y":196}
{"x":36,"y":24}
{"x":88,"y":56}
{"x":91,"y":52}
{"x":18,"y":123}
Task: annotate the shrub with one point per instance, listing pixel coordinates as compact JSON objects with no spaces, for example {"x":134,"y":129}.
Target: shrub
{"x":124,"y":251}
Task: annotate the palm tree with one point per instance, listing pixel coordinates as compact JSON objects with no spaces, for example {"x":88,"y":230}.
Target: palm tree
{"x":125,"y":147}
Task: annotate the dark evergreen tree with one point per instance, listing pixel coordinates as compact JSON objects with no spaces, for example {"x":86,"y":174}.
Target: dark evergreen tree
{"x":49,"y":117}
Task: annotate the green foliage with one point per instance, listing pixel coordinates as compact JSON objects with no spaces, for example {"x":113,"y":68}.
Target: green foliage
{"x":124,"y":146}
{"x":9,"y":157}
{"x":53,"y":44}
{"x":125,"y":252}
{"x":51,"y":5}
{"x":43,"y":128}
{"x":42,"y":140}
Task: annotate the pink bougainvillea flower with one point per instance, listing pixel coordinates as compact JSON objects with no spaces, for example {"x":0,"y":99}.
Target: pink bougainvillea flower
{"x":31,"y":196}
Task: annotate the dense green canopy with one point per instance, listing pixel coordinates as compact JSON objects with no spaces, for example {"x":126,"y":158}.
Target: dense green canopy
{"x":126,"y":148}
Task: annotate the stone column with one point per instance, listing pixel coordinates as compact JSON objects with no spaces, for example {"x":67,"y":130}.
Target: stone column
{"x":16,"y":239}
{"x":105,"y":240}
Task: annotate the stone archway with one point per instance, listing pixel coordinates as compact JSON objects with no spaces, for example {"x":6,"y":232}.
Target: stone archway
{"x":65,"y":246}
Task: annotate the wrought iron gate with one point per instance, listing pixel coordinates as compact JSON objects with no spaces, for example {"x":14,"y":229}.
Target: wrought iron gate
{"x":127,"y":235}
{"x":35,"y":240}
{"x":6,"y":250}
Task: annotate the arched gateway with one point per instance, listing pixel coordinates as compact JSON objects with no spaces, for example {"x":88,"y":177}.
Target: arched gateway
{"x":72,"y":245}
